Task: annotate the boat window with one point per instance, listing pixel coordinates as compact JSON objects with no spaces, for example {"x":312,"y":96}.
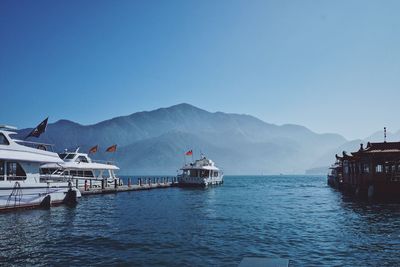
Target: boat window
{"x":387,"y":169}
{"x":97,"y":173}
{"x":70,"y":156}
{"x":3,"y":140}
{"x":15,"y":172}
{"x":379,"y":168}
{"x":81,"y":159}
{"x":62,"y":155}
{"x":366,"y":168}
{"x":80,"y":173}
{"x":88,"y":173}
{"x":194,"y":173}
{"x":215,"y":174}
{"x":73,"y":172}
{"x":1,"y":170}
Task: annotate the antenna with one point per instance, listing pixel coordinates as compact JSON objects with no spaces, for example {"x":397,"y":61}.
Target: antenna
{"x":384,"y":134}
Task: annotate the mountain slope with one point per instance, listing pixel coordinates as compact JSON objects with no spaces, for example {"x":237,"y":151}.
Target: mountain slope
{"x":154,"y":141}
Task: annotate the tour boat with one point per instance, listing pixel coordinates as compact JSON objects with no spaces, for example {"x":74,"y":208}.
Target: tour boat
{"x":81,"y":170}
{"x":20,"y":185}
{"x":202,"y":172}
{"x":371,"y":172}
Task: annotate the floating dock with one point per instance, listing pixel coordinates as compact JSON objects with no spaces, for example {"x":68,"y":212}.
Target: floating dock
{"x":117,"y":187}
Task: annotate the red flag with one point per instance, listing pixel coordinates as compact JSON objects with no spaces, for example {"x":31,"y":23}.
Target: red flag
{"x":94,"y":149}
{"x":112,"y":148}
{"x":189,"y":153}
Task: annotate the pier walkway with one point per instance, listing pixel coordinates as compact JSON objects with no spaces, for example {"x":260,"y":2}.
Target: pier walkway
{"x":117,"y":187}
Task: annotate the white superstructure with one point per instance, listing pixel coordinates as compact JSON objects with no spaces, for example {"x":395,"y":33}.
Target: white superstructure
{"x":20,"y":185}
{"x":202,"y":172}
{"x":81,"y":170}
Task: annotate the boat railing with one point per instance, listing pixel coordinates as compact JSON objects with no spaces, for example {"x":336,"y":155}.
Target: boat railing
{"x":12,"y":178}
{"x":37,"y":145}
{"x":107,"y":162}
{"x":68,"y":177}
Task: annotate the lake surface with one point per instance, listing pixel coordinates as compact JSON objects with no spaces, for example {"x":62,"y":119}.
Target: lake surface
{"x":293,"y":217}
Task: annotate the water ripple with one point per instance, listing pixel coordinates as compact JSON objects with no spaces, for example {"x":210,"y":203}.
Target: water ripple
{"x":294,"y":217}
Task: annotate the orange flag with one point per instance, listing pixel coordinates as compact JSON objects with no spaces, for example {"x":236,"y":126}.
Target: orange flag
{"x":94,"y":149}
{"x":189,"y":153}
{"x":112,"y":148}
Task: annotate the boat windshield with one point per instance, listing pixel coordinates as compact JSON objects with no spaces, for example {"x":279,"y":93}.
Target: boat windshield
{"x":3,"y":140}
{"x":70,"y":156}
{"x":62,"y":155}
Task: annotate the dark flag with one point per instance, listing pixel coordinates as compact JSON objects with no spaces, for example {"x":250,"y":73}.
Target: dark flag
{"x":94,"y":149}
{"x":41,"y":128}
{"x":112,"y":148}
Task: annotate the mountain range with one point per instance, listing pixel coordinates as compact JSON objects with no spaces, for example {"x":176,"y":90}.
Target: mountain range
{"x":154,"y":142}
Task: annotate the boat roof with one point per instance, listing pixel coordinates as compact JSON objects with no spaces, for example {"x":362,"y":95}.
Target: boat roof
{"x":201,"y":164}
{"x":17,"y":152}
{"x":80,"y":161}
{"x":81,"y":166}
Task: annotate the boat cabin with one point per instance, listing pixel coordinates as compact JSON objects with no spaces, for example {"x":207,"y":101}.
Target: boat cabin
{"x":202,"y":168}
{"x":19,"y":162}
{"x":75,"y":157}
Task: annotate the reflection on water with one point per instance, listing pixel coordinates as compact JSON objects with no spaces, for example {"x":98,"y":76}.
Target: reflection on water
{"x":294,"y":217}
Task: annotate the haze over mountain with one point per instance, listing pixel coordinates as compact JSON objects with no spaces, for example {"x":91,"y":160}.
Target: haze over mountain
{"x":321,"y":164}
{"x":154,"y":142}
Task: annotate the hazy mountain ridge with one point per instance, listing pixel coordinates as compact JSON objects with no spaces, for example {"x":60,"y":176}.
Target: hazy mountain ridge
{"x":322,"y":164}
{"x":155,"y":141}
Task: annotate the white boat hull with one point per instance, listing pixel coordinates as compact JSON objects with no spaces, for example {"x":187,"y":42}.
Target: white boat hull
{"x":197,"y":181}
{"x":21,"y":195}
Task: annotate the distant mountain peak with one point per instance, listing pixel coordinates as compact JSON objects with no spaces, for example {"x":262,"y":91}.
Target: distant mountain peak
{"x":184,"y":106}
{"x":64,"y":121}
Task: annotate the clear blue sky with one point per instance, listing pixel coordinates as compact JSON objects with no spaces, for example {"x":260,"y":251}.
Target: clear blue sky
{"x":332,"y":66}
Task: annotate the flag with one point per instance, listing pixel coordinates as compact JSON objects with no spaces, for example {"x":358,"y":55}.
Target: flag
{"x":41,"y":128}
{"x":112,"y":148}
{"x":94,"y":149}
{"x":189,"y":153}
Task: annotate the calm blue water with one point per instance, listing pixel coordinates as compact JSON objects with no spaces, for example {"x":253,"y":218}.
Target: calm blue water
{"x":293,"y":217}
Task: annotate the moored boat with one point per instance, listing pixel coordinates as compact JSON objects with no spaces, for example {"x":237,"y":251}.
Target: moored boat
{"x":20,"y":185}
{"x":81,"y":170}
{"x":201,"y":172}
{"x":372,"y":171}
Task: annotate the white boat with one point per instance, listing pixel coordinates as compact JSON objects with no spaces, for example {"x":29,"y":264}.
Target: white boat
{"x":20,"y":185}
{"x":81,"y":170}
{"x":202,"y":172}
